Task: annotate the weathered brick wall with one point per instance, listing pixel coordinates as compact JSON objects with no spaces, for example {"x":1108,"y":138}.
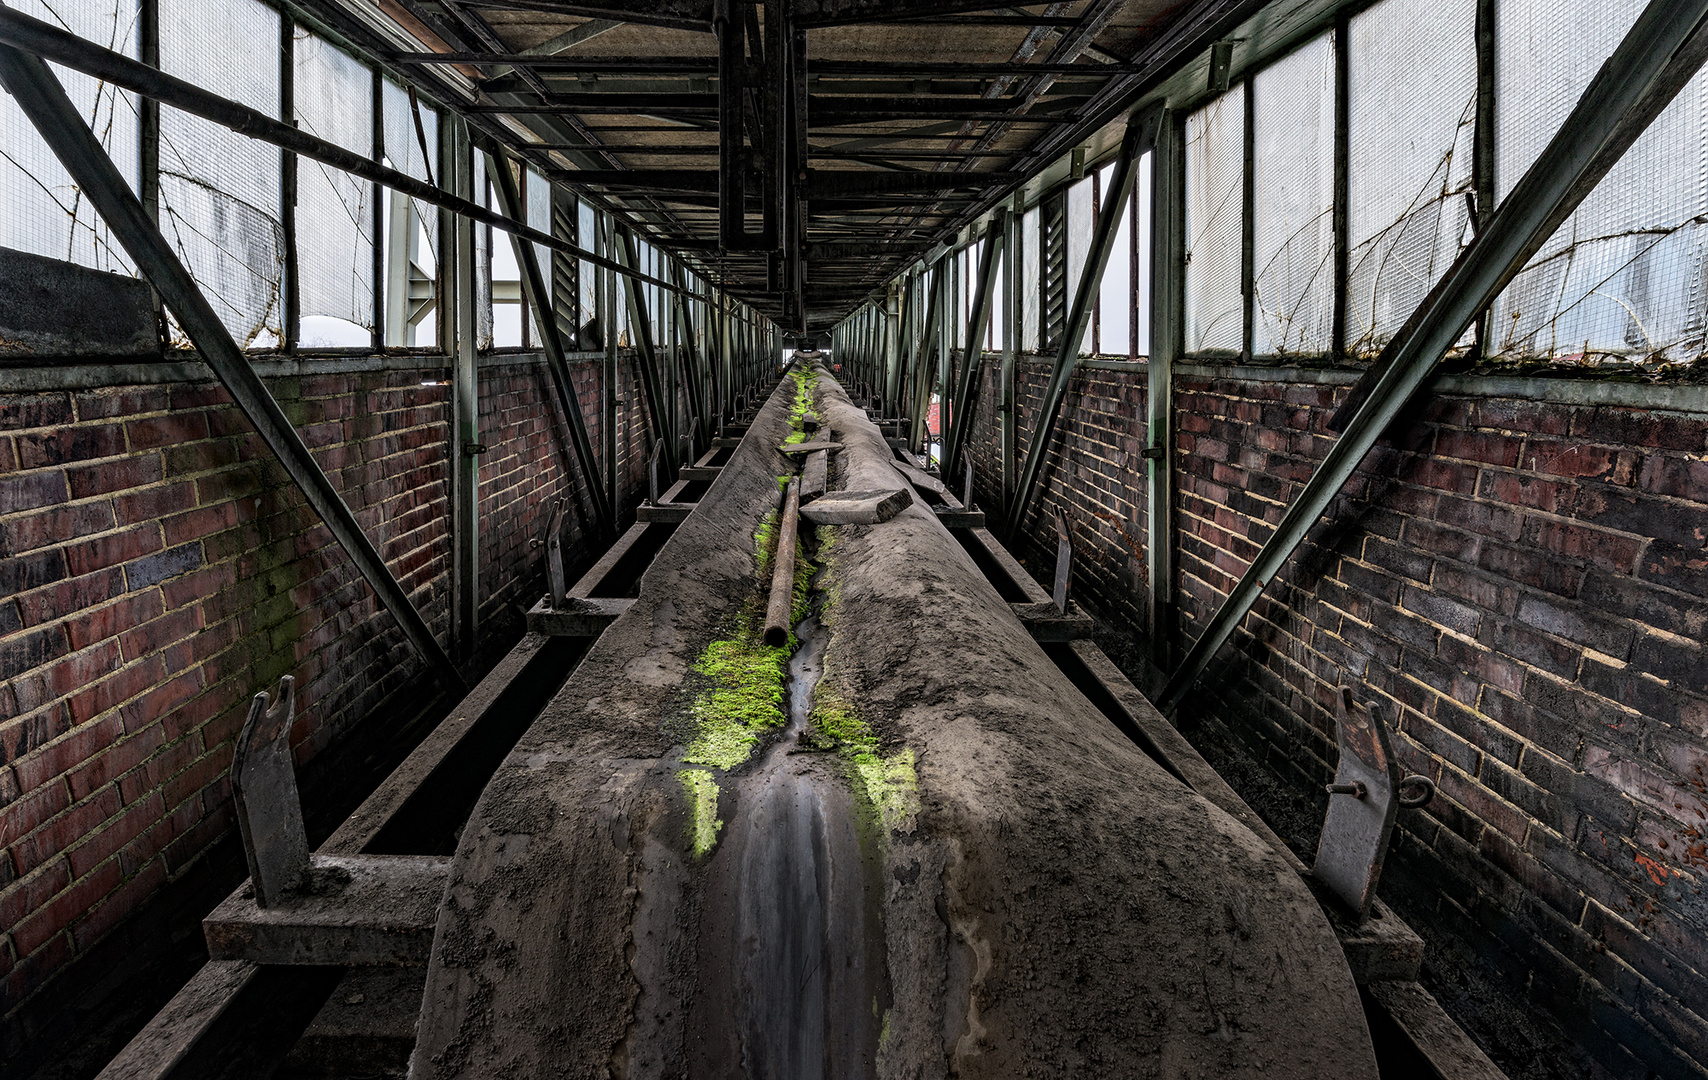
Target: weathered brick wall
{"x":1525,"y":586}
{"x":157,"y":568}
{"x":1093,"y":474}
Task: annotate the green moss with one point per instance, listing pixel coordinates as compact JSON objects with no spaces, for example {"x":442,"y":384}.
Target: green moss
{"x":744,"y":698}
{"x":890,"y":784}
{"x":765,"y":540}
{"x":702,"y":791}
{"x":794,"y":437}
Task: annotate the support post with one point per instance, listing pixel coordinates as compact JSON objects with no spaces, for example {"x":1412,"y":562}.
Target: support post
{"x":459,"y":329}
{"x":1658,"y":57}
{"x":656,"y":406}
{"x":966,"y":395}
{"x":1013,"y":323}
{"x":1168,"y":267}
{"x":1140,"y":135}
{"x":42,"y":99}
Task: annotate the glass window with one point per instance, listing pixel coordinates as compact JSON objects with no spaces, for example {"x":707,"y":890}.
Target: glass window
{"x":1409,"y":183}
{"x":410,"y":229}
{"x":1293,"y":202}
{"x":1623,"y":275}
{"x":41,"y":211}
{"x":1215,"y":179}
{"x":1115,"y":292}
{"x":538,"y":197}
{"x":335,"y":211}
{"x":586,"y":236}
{"x":220,"y":193}
{"x":1032,"y":297}
{"x":1142,"y":265}
{"x":1080,"y":216}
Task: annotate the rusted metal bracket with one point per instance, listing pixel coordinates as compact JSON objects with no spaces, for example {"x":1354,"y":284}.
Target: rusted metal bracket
{"x":554,"y":558}
{"x":1363,"y":801}
{"x":264,"y":786}
{"x":1064,"y":563}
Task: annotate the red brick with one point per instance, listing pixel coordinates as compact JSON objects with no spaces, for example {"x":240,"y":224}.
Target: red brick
{"x":115,"y":760}
{"x":206,"y":521}
{"x":117,"y":688}
{"x":144,"y":849}
{"x":81,"y":668}
{"x":114,"y":548}
{"x":172,"y":627}
{"x":145,"y":712}
{"x":29,"y":490}
{"x":202,"y":584}
{"x":106,"y":622}
{"x":64,"y":754}
{"x":31,"y":892}
{"x":22,"y":411}
{"x":65,"y":829}
{"x":1608,"y":550}
{"x":1565,"y":458}
{"x":80,"y":443}
{"x":173,"y":429}
{"x":108,"y":402}
{"x":59,"y":912}
{"x":28,"y":813}
{"x":116,"y":906}
{"x":154,"y":503}
{"x":34,"y":970}
{"x":109,"y":476}
{"x":200,"y":457}
{"x":1482,"y":446}
{"x":54,"y":526}
{"x":67,"y":597}
{"x":114,"y":834}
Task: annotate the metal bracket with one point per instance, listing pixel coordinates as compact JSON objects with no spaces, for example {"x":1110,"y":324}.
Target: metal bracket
{"x":1064,"y":563}
{"x":1362,"y":805}
{"x":264,"y":785}
{"x":967,"y":487}
{"x":652,"y":474}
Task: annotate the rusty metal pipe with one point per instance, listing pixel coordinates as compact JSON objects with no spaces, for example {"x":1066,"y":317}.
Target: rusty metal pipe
{"x":777,"y":614}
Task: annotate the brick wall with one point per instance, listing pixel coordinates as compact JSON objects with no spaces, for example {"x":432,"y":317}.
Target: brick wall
{"x":1525,"y":586}
{"x":157,"y":568}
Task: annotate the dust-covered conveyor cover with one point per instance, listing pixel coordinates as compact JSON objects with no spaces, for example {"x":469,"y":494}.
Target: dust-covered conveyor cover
{"x":909,"y":849}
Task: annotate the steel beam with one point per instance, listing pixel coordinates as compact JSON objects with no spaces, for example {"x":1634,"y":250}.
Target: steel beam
{"x":1168,"y":279}
{"x":1013,"y":323}
{"x":458,"y":329}
{"x":1657,"y":58}
{"x":656,"y":404}
{"x":966,"y":394}
{"x":41,"y":97}
{"x":1140,"y":135}
{"x":498,"y":167}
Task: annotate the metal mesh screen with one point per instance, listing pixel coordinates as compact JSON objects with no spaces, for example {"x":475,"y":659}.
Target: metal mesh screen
{"x":335,"y":216}
{"x":1215,"y":178}
{"x":538,"y":195}
{"x":1623,"y":277}
{"x":587,"y":232}
{"x":1293,"y":202}
{"x":219,"y":191}
{"x":1081,"y":215}
{"x":1115,"y":291}
{"x":41,"y":212}
{"x":1031,"y":298}
{"x":403,"y":146}
{"x":1409,"y":182}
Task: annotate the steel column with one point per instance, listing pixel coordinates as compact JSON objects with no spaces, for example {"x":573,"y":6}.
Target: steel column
{"x":539,"y":299}
{"x":1657,"y":58}
{"x":458,"y":329}
{"x":966,"y":395}
{"x":1168,"y":279}
{"x":1140,"y":135}
{"x":1013,"y":326}
{"x":41,"y":97}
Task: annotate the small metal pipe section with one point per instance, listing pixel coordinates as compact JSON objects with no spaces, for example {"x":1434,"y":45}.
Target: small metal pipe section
{"x":777,"y":613}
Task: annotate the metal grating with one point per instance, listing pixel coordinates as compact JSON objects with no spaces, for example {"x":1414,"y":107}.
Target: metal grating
{"x":1032,"y":299}
{"x":1055,"y":279}
{"x":1409,"y":183}
{"x":41,"y":211}
{"x":1622,"y":279}
{"x":1293,"y":202}
{"x":220,"y":192}
{"x":335,"y":215}
{"x":1215,"y":180}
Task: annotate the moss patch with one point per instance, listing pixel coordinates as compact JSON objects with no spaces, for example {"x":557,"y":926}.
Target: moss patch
{"x":890,"y":784}
{"x":702,"y":791}
{"x":744,"y":698}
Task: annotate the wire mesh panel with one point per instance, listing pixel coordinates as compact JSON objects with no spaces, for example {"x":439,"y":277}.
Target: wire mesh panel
{"x":220,"y":191}
{"x":1031,"y":298}
{"x":538,"y":193}
{"x":335,"y":217}
{"x":41,"y":211}
{"x":409,"y":228}
{"x":403,"y":148}
{"x":1081,"y":216}
{"x":1293,"y":202}
{"x":1409,"y":182}
{"x":1623,"y":277}
{"x":1115,"y":291}
{"x":1215,"y":182}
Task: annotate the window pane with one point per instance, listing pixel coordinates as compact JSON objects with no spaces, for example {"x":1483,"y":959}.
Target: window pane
{"x":41,"y":212}
{"x":1032,"y":298}
{"x":1215,"y":177}
{"x":1142,"y":289}
{"x":539,"y":198}
{"x":335,"y":215}
{"x":410,"y":228}
{"x":1115,"y":295}
{"x":1079,"y":221}
{"x":586,"y":237}
{"x":1623,"y":275}
{"x":219,"y":191}
{"x":1408,"y":182}
{"x":1293,"y":202}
